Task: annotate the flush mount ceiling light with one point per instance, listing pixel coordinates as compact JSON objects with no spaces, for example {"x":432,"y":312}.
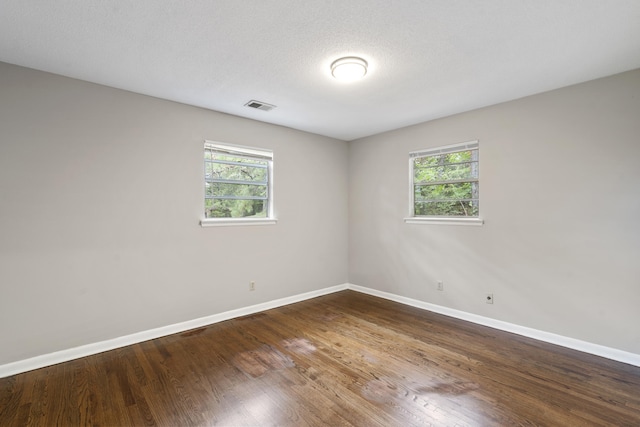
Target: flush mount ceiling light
{"x":349,"y":68}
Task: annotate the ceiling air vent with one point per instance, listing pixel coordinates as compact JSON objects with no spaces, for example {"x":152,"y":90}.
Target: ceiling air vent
{"x":259,"y":105}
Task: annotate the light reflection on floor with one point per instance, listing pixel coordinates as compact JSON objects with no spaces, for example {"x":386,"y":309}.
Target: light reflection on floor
{"x":442,"y":403}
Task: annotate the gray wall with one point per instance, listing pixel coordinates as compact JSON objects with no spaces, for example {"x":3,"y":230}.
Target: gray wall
{"x":559,"y":185}
{"x":100,"y":197}
{"x":101,"y":193}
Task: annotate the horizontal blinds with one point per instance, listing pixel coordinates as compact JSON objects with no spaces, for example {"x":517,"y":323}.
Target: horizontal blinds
{"x":238,"y":150}
{"x":465,"y":146}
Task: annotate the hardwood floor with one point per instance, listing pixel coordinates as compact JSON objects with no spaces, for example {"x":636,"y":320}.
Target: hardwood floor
{"x":338,"y":360}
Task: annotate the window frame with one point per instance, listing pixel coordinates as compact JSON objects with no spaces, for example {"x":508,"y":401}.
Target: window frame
{"x":436,"y":219}
{"x":246,"y":152}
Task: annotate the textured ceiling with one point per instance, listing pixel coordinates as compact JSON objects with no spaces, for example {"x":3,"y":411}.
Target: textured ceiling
{"x":428,"y":58}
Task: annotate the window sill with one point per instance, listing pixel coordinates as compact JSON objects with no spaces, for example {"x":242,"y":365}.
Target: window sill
{"x":227,"y":222}
{"x":444,"y":221}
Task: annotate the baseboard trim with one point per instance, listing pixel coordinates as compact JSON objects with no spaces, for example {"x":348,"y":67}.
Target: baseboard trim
{"x":54,"y":358}
{"x":548,"y":337}
{"x":112,"y":344}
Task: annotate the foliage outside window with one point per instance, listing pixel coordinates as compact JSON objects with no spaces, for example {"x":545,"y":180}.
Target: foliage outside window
{"x":237,"y":181}
{"x":444,"y":181}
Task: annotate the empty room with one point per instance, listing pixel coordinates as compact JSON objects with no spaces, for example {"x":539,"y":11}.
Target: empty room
{"x":320,"y":213}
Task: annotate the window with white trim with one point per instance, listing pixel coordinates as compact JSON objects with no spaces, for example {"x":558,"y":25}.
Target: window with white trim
{"x":237,"y":181}
{"x":445,"y":182}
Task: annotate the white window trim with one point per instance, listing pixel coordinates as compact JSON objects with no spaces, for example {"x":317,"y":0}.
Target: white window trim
{"x":244,"y":151}
{"x":225,"y":222}
{"x":439,"y":220}
{"x":444,"y":220}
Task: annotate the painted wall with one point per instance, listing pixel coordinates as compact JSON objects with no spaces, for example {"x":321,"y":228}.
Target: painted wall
{"x":100,"y":196}
{"x":560,"y":195}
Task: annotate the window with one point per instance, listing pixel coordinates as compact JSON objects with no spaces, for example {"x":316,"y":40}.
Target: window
{"x":238,"y":184}
{"x":445,"y":185}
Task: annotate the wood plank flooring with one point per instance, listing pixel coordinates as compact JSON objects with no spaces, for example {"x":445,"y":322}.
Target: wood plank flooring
{"x":345,"y":359}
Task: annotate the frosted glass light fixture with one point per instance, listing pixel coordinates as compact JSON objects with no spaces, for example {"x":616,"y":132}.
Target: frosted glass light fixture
{"x":349,"y":69}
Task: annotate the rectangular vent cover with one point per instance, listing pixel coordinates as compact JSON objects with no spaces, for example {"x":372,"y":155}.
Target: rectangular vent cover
{"x":259,"y":105}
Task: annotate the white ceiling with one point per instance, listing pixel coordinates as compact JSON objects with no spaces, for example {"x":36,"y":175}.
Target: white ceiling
{"x":428,"y":58}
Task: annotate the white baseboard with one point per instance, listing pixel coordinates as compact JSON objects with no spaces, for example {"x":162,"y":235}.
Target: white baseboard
{"x":583,"y":346}
{"x":99,"y":347}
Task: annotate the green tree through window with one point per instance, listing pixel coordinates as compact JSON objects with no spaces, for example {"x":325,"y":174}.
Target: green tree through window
{"x":237,"y":181}
{"x":445,"y":181}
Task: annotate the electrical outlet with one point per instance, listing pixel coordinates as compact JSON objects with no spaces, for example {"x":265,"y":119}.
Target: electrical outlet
{"x":440,"y":285}
{"x":489,"y":299}
{"x":252,"y":285}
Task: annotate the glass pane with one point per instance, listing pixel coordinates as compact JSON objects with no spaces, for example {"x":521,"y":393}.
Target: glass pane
{"x":443,"y":159}
{"x":460,"y":156}
{"x":231,"y":158}
{"x":216,"y":208}
{"x":421,"y":162}
{"x":469,"y":208}
{"x":235,"y":172}
{"x":238,"y":190}
{"x":446,"y":172}
{"x":459,"y":190}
